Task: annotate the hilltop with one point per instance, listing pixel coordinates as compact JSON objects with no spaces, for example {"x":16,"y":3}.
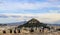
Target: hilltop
{"x":33,"y":23}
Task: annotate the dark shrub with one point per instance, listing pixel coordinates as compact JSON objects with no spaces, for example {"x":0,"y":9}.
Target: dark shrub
{"x":4,"y":31}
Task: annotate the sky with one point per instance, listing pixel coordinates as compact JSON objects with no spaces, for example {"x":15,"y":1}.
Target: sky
{"x":21,"y":10}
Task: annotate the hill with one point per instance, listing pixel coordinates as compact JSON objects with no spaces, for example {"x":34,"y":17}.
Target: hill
{"x":33,"y":23}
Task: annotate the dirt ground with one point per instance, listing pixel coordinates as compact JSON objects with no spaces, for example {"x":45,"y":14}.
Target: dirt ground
{"x":52,"y":33}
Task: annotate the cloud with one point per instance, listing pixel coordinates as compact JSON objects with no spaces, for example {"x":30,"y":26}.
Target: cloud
{"x":54,"y":11}
{"x":45,"y":18}
{"x":25,"y":5}
{"x":50,"y":7}
{"x":16,"y":6}
{"x":54,"y":0}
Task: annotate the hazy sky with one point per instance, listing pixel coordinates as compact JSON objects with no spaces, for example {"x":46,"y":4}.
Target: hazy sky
{"x":30,"y":6}
{"x":49,"y":10}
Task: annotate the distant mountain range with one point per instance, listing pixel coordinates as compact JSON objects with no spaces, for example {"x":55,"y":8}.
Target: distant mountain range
{"x":54,"y":24}
{"x":13,"y":24}
{"x":16,"y":23}
{"x":57,"y":23}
